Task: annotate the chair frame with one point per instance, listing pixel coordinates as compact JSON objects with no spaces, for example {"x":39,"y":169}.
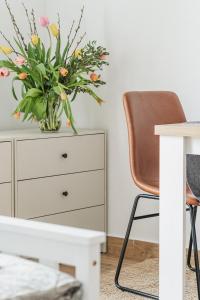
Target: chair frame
{"x":56,"y":244}
{"x":193,"y":242}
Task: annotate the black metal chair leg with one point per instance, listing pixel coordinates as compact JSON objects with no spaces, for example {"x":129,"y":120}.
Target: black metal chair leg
{"x":196,"y":258}
{"x":123,"y":251}
{"x":190,"y":245}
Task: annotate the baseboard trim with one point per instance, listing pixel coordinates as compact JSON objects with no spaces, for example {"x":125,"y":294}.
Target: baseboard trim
{"x":136,"y":250}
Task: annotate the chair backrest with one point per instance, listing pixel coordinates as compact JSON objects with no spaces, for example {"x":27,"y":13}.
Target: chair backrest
{"x":143,"y":111}
{"x":193,"y":174}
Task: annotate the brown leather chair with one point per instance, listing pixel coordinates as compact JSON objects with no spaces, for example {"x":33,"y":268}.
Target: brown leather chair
{"x":143,"y":111}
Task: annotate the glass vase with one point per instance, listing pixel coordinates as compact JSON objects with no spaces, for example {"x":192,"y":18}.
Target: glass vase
{"x":52,"y":121}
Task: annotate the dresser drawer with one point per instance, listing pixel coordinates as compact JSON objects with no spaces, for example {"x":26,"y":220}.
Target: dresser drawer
{"x":90,"y":218}
{"x":5,"y":199}
{"x":5,"y":161}
{"x":62,"y":155}
{"x":44,"y":196}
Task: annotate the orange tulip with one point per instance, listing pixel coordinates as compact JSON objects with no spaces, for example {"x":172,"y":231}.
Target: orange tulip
{"x":17,"y":115}
{"x":23,"y":76}
{"x":68,"y":123}
{"x":94,"y":77}
{"x":63,"y":72}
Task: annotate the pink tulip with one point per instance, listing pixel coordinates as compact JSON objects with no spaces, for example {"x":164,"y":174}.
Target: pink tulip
{"x":4,"y":72}
{"x":103,"y":57}
{"x":44,"y":21}
{"x":20,"y":61}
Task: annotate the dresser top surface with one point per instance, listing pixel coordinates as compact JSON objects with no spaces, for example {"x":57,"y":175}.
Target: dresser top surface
{"x":8,"y":135}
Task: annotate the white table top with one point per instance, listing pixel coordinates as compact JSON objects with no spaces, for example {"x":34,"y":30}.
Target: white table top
{"x":189,"y":129}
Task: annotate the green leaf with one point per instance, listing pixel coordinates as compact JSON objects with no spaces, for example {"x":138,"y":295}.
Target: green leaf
{"x":70,"y":117}
{"x":27,"y":110}
{"x":58,"y":90}
{"x":43,"y":52}
{"x":48,"y":55}
{"x":58,"y":56}
{"x":65,"y":108}
{"x":39,"y":108}
{"x":22,"y":105}
{"x":9,"y":65}
{"x":31,"y":52}
{"x":20,"y":48}
{"x":23,"y":88}
{"x":41,"y":68}
{"x":28,"y":85}
{"x":34,"y":93}
{"x":13,"y":89}
{"x":35,"y":78}
{"x":92,"y":93}
{"x":64,"y":53}
{"x":53,"y":71}
{"x":75,"y":94}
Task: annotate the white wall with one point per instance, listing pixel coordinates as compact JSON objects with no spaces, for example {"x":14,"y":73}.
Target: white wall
{"x":154,"y":45}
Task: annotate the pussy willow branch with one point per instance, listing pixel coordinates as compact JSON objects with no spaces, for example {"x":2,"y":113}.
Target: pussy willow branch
{"x":34,"y":22}
{"x":8,"y":57}
{"x":58,"y":24}
{"x":58,"y":15}
{"x":16,"y":28}
{"x":80,"y":41}
{"x":28,"y":18}
{"x":9,"y":43}
{"x":70,"y":32}
{"x":77,"y":28}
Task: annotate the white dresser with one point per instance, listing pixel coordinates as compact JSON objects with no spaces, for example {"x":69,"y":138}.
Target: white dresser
{"x":6,"y":177}
{"x":54,"y":177}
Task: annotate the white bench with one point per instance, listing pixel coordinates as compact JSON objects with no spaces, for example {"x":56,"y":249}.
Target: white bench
{"x":56,"y":244}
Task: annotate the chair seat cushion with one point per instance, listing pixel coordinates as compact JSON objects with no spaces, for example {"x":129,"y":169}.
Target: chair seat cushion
{"x":22,"y":279}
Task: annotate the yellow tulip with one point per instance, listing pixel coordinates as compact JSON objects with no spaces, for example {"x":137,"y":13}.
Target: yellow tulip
{"x":77,"y":53}
{"x":35,"y":39}
{"x":6,"y":50}
{"x":54,"y":30}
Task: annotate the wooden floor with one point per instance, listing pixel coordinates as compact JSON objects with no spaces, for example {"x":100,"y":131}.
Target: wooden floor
{"x":108,"y":262}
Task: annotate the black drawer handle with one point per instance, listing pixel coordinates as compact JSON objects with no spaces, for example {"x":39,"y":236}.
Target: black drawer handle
{"x":64,"y":155}
{"x":65,"y":193}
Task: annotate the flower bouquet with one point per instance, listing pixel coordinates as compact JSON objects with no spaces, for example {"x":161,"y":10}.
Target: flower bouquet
{"x":51,"y":76}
